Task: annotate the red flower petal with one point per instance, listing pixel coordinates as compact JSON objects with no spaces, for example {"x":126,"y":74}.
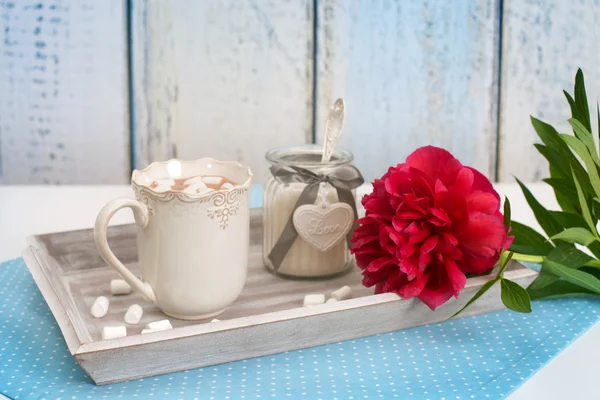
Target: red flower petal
{"x":482,"y":231}
{"x":433,"y":298}
{"x":413,"y":288}
{"x":430,"y":160}
{"x":428,"y":222}
{"x":429,"y":244}
{"x":439,"y":288}
{"x":473,"y":264}
{"x":379,"y":263}
{"x":464,"y":181}
{"x":483,"y":202}
{"x":480,"y":182}
{"x":457,"y":279}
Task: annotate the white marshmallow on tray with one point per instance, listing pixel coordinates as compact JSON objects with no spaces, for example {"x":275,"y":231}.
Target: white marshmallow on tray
{"x":161,"y":325}
{"x":113,"y":332}
{"x":100,"y":307}
{"x":144,"y":331}
{"x":212,"y":180}
{"x":119,"y":286}
{"x":313,"y":300}
{"x":134,"y":314}
{"x":342,"y":293}
{"x":331,"y":300}
{"x":215,"y":320}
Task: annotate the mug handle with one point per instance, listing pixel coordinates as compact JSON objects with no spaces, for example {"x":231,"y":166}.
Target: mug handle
{"x":141,"y":215}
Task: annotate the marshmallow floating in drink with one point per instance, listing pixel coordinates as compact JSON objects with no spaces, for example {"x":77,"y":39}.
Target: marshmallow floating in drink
{"x":162,"y":188}
{"x":198,"y":187}
{"x":163,"y":185}
{"x":193,"y":181}
{"x":165,"y":182}
{"x":214,"y":181}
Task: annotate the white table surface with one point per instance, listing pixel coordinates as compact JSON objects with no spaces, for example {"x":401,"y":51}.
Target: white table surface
{"x":29,"y":210}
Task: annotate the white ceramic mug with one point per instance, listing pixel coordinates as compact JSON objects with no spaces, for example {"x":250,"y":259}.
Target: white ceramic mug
{"x":192,"y":248}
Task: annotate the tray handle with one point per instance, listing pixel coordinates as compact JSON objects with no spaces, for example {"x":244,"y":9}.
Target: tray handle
{"x":140,"y":212}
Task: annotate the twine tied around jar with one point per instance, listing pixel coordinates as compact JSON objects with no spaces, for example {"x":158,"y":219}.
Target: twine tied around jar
{"x":344,"y":179}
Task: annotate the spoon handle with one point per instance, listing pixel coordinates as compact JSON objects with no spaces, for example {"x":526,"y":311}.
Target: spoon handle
{"x":333,"y":129}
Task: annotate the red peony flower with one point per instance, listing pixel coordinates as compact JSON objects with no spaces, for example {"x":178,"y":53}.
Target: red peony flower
{"x":429,"y":221}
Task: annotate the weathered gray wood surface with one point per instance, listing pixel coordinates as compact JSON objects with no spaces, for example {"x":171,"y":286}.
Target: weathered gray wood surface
{"x":63,"y":92}
{"x":412,"y":73}
{"x":543,"y":44}
{"x":225,"y":79}
{"x":267,"y":318}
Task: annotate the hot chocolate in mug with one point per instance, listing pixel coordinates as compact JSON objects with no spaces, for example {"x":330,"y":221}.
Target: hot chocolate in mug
{"x":192,"y":247}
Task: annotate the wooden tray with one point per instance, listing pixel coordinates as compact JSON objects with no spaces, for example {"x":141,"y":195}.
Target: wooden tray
{"x":268,"y":317}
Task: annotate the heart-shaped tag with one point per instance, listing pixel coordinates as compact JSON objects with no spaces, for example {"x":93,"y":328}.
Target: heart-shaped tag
{"x":323,"y":226}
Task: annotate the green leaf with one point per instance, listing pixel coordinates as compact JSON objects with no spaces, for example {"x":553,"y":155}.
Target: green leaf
{"x":528,"y":241}
{"x":583,"y":153}
{"x":586,"y":138}
{"x":543,"y":279}
{"x":583,"y":110}
{"x":567,"y":219}
{"x":559,"y":156}
{"x":598,"y":114}
{"x":592,"y":270}
{"x":572,"y":104}
{"x":592,"y":264}
{"x":585,"y":211}
{"x":558,"y":289}
{"x":564,"y":191}
{"x":544,"y":218}
{"x":547,"y":134}
{"x":477,"y":295}
{"x":568,"y":255}
{"x":562,"y":185}
{"x":576,"y":235}
{"x":506,"y":213}
{"x":514,"y":296}
{"x":595,"y":249}
{"x":564,"y":254}
{"x":560,"y":180}
{"x":580,"y":278}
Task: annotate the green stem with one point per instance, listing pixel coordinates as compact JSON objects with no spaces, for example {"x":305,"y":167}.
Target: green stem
{"x":528,"y":258}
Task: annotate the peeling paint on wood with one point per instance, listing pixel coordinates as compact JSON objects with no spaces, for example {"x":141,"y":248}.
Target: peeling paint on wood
{"x":63,"y":92}
{"x":411,"y":73}
{"x":224,"y":79}
{"x":544,"y":42}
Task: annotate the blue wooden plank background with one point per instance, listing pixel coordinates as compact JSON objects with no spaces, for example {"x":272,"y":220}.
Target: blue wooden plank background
{"x":84,"y":85}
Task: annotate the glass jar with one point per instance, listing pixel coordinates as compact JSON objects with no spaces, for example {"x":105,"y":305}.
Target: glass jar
{"x":302,"y":260}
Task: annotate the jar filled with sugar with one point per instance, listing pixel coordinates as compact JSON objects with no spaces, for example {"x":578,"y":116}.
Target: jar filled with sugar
{"x":309,"y":212}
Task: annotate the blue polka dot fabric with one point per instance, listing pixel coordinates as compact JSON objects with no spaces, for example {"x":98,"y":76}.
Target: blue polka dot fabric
{"x":486,"y":356}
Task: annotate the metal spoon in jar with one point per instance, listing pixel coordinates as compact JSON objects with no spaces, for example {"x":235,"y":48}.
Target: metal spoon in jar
{"x":333,"y":129}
